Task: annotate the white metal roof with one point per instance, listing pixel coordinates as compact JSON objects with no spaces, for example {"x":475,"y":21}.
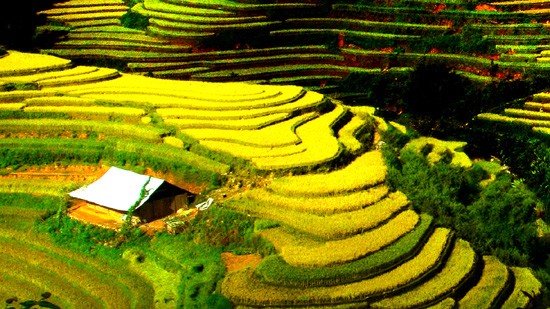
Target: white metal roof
{"x":118,"y":189}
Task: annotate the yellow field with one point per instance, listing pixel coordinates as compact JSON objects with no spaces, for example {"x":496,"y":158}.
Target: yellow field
{"x":367,"y":170}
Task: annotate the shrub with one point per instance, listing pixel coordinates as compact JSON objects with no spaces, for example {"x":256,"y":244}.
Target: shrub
{"x":134,"y":20}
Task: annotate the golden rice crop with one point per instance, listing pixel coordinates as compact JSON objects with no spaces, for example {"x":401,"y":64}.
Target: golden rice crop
{"x":173,"y":141}
{"x":352,"y":248}
{"x":15,"y":285}
{"x":332,"y":226}
{"x":17,"y":63}
{"x":319,"y":140}
{"x":525,"y":282}
{"x":537,"y":106}
{"x":447,"y":303}
{"x":92,"y":110}
{"x":122,"y":282}
{"x":542,"y":130}
{"x":99,"y":75}
{"x":48,"y":281}
{"x":493,"y":280}
{"x":277,"y":135}
{"x":346,"y":135}
{"x":243,"y":288}
{"x":233,"y":124}
{"x":457,"y":268}
{"x":309,"y":100}
{"x":522,"y":121}
{"x":40,"y":76}
{"x":11,"y":106}
{"x":60,"y":101}
{"x":365,"y":171}
{"x":248,"y":151}
{"x":521,"y":113}
{"x":325,"y":205}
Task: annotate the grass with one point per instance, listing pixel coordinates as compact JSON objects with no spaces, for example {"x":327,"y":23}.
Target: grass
{"x":274,"y":270}
{"x":365,"y":171}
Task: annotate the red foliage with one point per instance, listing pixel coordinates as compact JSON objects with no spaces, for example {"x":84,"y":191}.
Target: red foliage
{"x":485,"y":7}
{"x":439,"y":8}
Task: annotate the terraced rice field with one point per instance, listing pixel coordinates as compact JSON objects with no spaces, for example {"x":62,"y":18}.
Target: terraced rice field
{"x":533,"y":114}
{"x":341,"y":237}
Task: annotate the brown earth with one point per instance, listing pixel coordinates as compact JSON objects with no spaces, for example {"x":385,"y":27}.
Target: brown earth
{"x":235,"y":262}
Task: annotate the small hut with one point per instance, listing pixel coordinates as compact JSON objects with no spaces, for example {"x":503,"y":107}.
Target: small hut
{"x":118,"y":190}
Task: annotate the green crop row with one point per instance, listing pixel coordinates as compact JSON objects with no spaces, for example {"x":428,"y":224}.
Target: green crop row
{"x":274,"y":270}
{"x":237,"y":6}
{"x":243,"y":288}
{"x":193,"y":167}
{"x":332,"y":226}
{"x":367,"y":170}
{"x":325,"y":205}
{"x":234,"y":54}
{"x":269,"y":72}
{"x":120,"y":45}
{"x":494,"y":279}
{"x":52,"y":259}
{"x":93,"y":285}
{"x":178,"y":34}
{"x":36,"y":186}
{"x":356,"y":24}
{"x":458,"y":267}
{"x":178,"y":8}
{"x":359,"y":34}
{"x":127,"y":55}
{"x":53,"y":127}
{"x":159,"y":10}
{"x":48,"y":281}
{"x":296,"y":252}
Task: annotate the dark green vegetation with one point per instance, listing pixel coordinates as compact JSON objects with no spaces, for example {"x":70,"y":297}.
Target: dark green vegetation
{"x":477,"y":209}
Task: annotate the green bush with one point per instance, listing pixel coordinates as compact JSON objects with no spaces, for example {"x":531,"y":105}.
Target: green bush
{"x":454,"y":196}
{"x":134,"y":21}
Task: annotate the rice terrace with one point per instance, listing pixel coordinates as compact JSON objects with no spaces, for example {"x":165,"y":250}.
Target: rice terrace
{"x":275,"y":154}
